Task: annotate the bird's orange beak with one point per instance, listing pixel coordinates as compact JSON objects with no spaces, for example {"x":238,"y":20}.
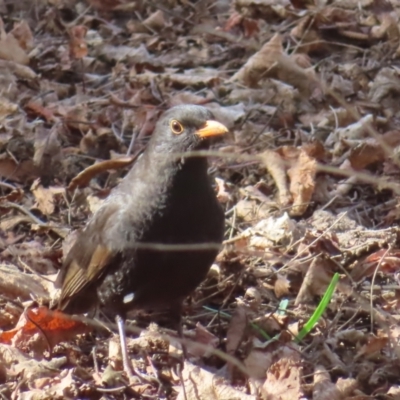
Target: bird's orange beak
{"x":211,"y":128}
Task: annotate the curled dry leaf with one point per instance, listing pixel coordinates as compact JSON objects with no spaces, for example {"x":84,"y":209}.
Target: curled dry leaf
{"x":277,"y":168}
{"x":301,"y":168}
{"x":84,"y":177}
{"x":302,"y":182}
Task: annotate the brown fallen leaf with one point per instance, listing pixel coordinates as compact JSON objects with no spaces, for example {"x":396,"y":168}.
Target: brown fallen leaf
{"x":10,"y":48}
{"x":283,"y":381}
{"x":38,"y":110}
{"x":22,"y":32}
{"x":317,"y":279}
{"x":13,"y":171}
{"x":281,"y":286}
{"x":272,"y":62}
{"x":14,"y":196}
{"x":45,"y":197}
{"x":205,"y":338}
{"x":324,"y":388}
{"x":257,"y":363}
{"x":16,"y":284}
{"x":389,"y":262}
{"x":236,"y":330}
{"x":84,"y":177}
{"x":6,"y":108}
{"x":77,"y":45}
{"x":198,"y":383}
{"x":374,"y":345}
{"x":276,"y":166}
{"x":302,"y":183}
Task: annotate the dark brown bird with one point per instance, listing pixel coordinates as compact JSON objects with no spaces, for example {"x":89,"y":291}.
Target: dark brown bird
{"x":123,"y":258}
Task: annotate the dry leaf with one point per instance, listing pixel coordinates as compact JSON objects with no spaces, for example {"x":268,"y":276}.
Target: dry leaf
{"x":277,"y":168}
{"x":302,"y":183}
{"x":55,"y":325}
{"x":236,"y":330}
{"x":316,"y":281}
{"x":84,"y":177}
{"x":10,"y":48}
{"x":281,"y":286}
{"x":283,"y":381}
{"x":202,"y":384}
{"x":22,"y":32}
{"x":324,"y":388}
{"x":77,"y":45}
{"x":374,"y":345}
{"x":45,"y":200}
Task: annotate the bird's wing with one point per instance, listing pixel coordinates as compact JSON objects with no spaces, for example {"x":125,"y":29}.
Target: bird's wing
{"x":88,"y":257}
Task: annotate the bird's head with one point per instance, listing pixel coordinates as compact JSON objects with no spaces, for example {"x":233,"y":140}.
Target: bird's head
{"x":186,"y":128}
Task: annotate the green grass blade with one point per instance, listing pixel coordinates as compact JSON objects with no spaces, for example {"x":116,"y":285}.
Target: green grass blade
{"x":323,"y":304}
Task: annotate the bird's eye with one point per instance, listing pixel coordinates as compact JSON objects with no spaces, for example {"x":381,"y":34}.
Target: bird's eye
{"x":176,"y":127}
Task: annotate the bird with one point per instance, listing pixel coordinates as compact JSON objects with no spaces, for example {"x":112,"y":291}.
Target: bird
{"x":155,"y":237}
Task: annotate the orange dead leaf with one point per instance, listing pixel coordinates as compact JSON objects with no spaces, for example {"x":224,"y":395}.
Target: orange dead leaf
{"x":84,"y":177}
{"x":39,"y":110}
{"x":77,"y":45}
{"x":55,"y":325}
{"x":234,"y":20}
